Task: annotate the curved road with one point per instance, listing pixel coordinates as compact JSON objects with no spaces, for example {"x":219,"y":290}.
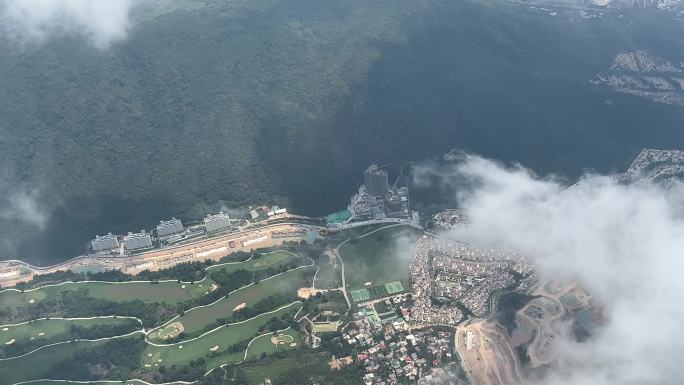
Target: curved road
{"x":198,"y":250}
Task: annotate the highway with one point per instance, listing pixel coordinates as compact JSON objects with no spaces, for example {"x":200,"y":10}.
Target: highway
{"x":214,"y":247}
{"x":259,"y":235}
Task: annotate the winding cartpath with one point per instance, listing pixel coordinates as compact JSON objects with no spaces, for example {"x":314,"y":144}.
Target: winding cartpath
{"x":147,"y":332}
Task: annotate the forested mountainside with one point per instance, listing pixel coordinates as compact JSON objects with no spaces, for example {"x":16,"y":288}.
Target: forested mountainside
{"x":260,"y":101}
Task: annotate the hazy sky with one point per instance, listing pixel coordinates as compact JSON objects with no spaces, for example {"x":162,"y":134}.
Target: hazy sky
{"x":625,"y":243}
{"x":101,"y":22}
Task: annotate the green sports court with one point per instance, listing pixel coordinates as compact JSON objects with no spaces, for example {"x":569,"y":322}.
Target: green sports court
{"x":394,"y":287}
{"x":360,"y":295}
{"x":377,"y":291}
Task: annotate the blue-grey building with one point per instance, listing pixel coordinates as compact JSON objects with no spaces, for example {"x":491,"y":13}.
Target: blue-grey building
{"x":105,"y":242}
{"x":170,"y":227}
{"x":217,"y":222}
{"x":138,"y":241}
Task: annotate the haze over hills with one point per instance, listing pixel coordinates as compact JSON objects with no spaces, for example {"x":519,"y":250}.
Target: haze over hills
{"x":273,"y":101}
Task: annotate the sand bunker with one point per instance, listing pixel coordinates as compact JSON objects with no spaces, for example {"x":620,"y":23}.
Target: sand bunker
{"x":31,"y":300}
{"x":307,"y":292}
{"x":170,"y":331}
{"x":213,"y":287}
{"x":5,"y":329}
{"x":11,"y":342}
{"x":282,"y":339}
{"x":240,"y":306}
{"x":215,"y":348}
{"x":41,"y":334}
{"x":183,"y":287}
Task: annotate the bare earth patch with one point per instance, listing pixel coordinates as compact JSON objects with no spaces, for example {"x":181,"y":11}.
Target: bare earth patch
{"x":307,"y":292}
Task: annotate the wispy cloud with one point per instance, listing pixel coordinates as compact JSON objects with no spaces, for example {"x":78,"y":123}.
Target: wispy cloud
{"x":23,"y":206}
{"x":624,"y":242}
{"x":102,"y":22}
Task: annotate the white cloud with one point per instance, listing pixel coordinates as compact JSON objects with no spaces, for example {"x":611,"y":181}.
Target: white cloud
{"x":23,"y":207}
{"x":103,"y":22}
{"x":624,"y":242}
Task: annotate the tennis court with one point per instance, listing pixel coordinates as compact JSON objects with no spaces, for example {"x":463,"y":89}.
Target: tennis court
{"x":360,"y":295}
{"x":394,"y":287}
{"x":377,"y":291}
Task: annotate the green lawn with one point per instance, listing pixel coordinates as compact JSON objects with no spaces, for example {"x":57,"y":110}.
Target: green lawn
{"x":273,"y":259}
{"x":63,"y":382}
{"x":35,"y":365}
{"x":379,"y":257}
{"x":170,"y":292}
{"x":306,"y":363}
{"x":263,"y":344}
{"x":256,"y":373}
{"x":223,"y":338}
{"x":196,"y":319}
{"x":267,"y":260}
{"x":44,"y":332}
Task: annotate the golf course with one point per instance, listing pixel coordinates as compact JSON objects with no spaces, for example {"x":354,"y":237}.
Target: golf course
{"x":200,"y":337}
{"x":22,"y":338}
{"x":194,"y":320}
{"x":270,"y":343}
{"x":169,"y":291}
{"x":213,"y":346}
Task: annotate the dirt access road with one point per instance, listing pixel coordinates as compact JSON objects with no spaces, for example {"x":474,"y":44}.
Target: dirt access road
{"x":489,"y":359}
